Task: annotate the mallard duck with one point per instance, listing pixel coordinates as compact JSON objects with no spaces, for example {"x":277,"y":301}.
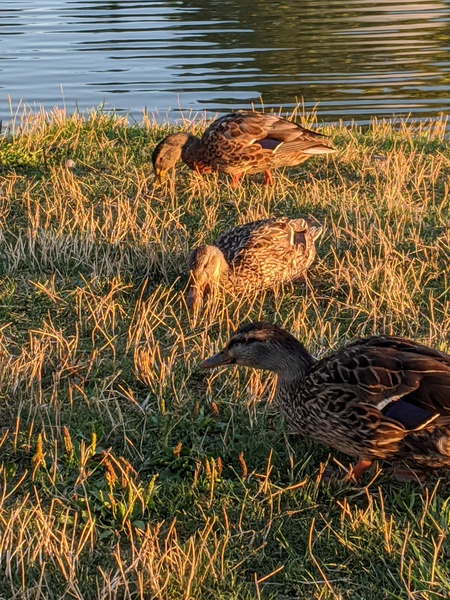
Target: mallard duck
{"x":383,"y":397}
{"x":257,"y":255}
{"x":241,"y":143}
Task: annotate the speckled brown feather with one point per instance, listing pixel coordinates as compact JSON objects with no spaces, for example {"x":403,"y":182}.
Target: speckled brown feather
{"x":348,"y":400}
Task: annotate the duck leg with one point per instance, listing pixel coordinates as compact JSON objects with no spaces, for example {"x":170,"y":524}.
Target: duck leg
{"x":235,"y":179}
{"x":268,"y":177}
{"x":353,"y":475}
{"x":356,"y":471}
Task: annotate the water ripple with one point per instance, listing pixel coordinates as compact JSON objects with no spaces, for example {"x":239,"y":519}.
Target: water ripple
{"x":355,"y":58}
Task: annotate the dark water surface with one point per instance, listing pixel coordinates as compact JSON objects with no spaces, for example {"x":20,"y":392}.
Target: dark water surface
{"x":355,"y":58}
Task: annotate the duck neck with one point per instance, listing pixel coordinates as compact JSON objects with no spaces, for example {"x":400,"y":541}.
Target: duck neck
{"x":286,"y":357}
{"x":192,"y":151}
{"x":293,"y":363}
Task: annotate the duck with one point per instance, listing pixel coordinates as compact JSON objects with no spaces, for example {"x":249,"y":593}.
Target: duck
{"x":254,"y":256}
{"x":239,"y":143}
{"x":379,"y":398}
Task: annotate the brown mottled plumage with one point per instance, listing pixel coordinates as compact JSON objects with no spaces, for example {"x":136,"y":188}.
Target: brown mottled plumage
{"x":257,"y":255}
{"x":241,"y":143}
{"x":383,"y":397}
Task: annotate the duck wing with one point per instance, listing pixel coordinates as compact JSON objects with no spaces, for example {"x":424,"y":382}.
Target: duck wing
{"x":286,"y":137}
{"x":374,"y":392}
{"x":424,"y":368}
{"x":401,"y":379}
{"x":248,"y":140}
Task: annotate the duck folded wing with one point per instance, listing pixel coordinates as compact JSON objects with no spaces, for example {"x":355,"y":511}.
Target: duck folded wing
{"x":404,"y":381}
{"x":268,"y":131}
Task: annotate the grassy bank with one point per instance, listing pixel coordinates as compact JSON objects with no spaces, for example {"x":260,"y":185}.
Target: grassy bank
{"x":128,"y":473}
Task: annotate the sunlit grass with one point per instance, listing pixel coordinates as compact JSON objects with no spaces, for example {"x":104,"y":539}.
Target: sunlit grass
{"x":128,"y":473}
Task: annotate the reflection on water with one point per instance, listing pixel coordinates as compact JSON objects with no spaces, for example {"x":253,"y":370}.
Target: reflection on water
{"x":355,"y":58}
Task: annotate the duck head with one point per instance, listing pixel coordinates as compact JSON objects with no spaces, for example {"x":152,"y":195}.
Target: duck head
{"x":262,"y":345}
{"x":167,"y":153}
{"x":207,"y":268}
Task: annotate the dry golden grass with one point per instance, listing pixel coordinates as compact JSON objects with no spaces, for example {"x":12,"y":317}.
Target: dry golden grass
{"x":127,"y":473}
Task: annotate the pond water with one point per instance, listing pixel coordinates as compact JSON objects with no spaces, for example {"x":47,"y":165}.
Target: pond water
{"x":354,"y":58}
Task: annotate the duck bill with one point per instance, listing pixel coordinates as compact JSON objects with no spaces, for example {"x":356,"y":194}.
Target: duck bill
{"x":194,"y":297}
{"x":220,"y":359}
{"x":159,"y":176}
